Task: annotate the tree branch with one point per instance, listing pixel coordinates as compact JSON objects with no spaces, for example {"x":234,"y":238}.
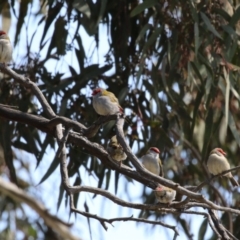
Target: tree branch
{"x":53,"y":222}
{"x":200,"y":186}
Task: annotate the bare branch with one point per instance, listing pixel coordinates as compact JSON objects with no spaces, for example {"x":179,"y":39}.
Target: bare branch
{"x":26,"y":82}
{"x":145,"y":221}
{"x":19,"y":195}
{"x":221,"y":229}
{"x":200,"y":186}
{"x":62,"y":142}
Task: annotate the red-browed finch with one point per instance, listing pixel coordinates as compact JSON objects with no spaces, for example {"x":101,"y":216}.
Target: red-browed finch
{"x":152,"y":162}
{"x":164,"y":194}
{"x":115,"y":150}
{"x":105,"y":102}
{"x":218,"y":163}
{"x":5,"y":48}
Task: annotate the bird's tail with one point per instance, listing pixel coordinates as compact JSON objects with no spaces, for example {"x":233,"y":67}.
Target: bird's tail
{"x":234,"y":182}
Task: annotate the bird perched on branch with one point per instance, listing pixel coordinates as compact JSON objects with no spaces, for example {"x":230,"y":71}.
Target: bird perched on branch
{"x":152,"y":162}
{"x":105,"y":102}
{"x":164,"y":194}
{"x":218,"y":163}
{"x":115,"y":150}
{"x":5,"y":48}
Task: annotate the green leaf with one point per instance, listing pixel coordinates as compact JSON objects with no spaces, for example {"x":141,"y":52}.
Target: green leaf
{"x":60,"y":196}
{"x":82,"y":7}
{"x":197,"y":103}
{"x":193,"y":11}
{"x":235,"y":17}
{"x":195,"y":68}
{"x":152,"y":39}
{"x":233,"y":128}
{"x":117,"y":174}
{"x":76,"y":196}
{"x":21,"y":16}
{"x":228,"y":29}
{"x":196,"y":38}
{"x":80,"y":53}
{"x":208,"y":132}
{"x":141,"y":7}
{"x":222,"y":13}
{"x":51,"y":17}
{"x":89,"y":224}
{"x":145,"y":28}
{"x":209,"y":25}
{"x":59,"y":42}
{"x":164,"y":81}
{"x":51,"y":169}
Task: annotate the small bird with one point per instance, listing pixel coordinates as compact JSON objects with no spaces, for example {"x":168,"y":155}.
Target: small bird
{"x":164,"y":194}
{"x":105,"y":102}
{"x":217,"y":163}
{"x":115,"y":150}
{"x":152,"y":162}
{"x":5,"y":48}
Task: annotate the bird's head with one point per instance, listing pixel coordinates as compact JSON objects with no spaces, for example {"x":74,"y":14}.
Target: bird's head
{"x":97,"y":92}
{"x":154,"y":151}
{"x":3,"y":35}
{"x":219,"y":151}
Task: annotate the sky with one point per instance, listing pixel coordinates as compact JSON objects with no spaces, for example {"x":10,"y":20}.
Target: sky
{"x":48,"y":190}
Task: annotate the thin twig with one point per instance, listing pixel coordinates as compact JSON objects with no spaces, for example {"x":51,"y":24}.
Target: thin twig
{"x":62,"y":142}
{"x":220,"y":228}
{"x":200,"y":186}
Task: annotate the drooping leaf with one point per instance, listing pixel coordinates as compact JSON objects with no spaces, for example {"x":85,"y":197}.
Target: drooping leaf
{"x":141,"y":7}
{"x":51,"y":169}
{"x":209,"y":25}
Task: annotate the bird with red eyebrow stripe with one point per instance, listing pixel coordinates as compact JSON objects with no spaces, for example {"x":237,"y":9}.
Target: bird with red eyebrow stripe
{"x":105,"y":102}
{"x":5,"y":48}
{"x":152,"y":162}
{"x":164,"y":194}
{"x":218,"y":163}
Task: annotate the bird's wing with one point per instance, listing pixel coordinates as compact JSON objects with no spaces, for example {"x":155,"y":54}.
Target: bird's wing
{"x":112,"y":97}
{"x":161,"y":173}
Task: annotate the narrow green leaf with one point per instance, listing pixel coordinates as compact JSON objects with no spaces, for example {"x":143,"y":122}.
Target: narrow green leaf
{"x":82,"y":7}
{"x":222,"y":13}
{"x":152,"y":39}
{"x":145,"y":28}
{"x":21,"y":16}
{"x":51,"y":169}
{"x":141,"y":7}
{"x":228,"y":29}
{"x":80,"y":53}
{"x":117,"y":174}
{"x":235,"y":17}
{"x":209,"y":25}
{"x":193,"y":11}
{"x":196,"y":38}
{"x":197,"y":103}
{"x":76,"y":196}
{"x":194,"y":67}
{"x":233,"y":128}
{"x":51,"y":17}
{"x":60,"y":196}
{"x":163,"y":75}
{"x":208,"y":132}
{"x":59,"y":42}
{"x":89,"y":224}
